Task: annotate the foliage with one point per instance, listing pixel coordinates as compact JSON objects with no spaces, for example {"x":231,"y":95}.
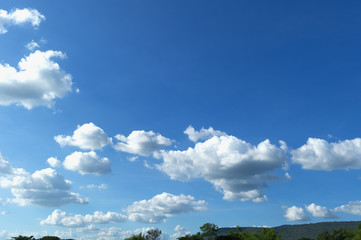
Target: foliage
{"x":209,"y":230}
{"x":337,"y":234}
{"x":23,"y":238}
{"x":153,"y":234}
{"x":139,"y":236}
{"x":49,"y":238}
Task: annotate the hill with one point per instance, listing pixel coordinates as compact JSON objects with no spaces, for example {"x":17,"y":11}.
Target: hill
{"x":294,"y":232}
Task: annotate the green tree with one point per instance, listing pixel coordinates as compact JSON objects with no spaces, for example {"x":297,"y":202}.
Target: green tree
{"x":153,"y":234}
{"x":49,"y":238}
{"x":139,"y":236}
{"x":23,"y":238}
{"x":196,"y":236}
{"x":358,"y":233}
{"x":209,"y":230}
{"x":269,"y":234}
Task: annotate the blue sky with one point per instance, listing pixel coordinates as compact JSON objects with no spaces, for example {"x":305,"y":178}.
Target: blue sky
{"x":120,"y":116}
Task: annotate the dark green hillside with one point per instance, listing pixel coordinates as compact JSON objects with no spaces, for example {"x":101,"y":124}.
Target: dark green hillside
{"x":295,"y":232}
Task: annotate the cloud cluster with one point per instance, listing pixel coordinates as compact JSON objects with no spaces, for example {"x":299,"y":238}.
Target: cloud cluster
{"x":60,"y":218}
{"x":18,"y":17}
{"x":87,"y":137}
{"x":296,"y":214}
{"x":353,"y":207}
{"x":38,"y":82}
{"x":163,"y":206}
{"x":203,"y":134}
{"x":141,"y":142}
{"x":319,"y":211}
{"x":44,"y":187}
{"x":87,"y":163}
{"x":236,"y":168}
{"x":318,"y":154}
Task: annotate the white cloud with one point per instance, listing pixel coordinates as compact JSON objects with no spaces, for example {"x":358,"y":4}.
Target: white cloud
{"x":87,"y":137}
{"x":60,"y":218}
{"x":319,"y":211}
{"x":318,"y":154}
{"x":87,"y":163}
{"x":32,"y":45}
{"x":203,"y":134}
{"x":296,"y":214}
{"x":38,"y":82}
{"x":54,"y":162}
{"x":101,"y":186}
{"x":18,"y":17}
{"x":163,"y":206}
{"x":353,"y":207}
{"x":141,"y":142}
{"x":179,"y":232}
{"x":5,"y":167}
{"x":236,"y":168}
{"x":44,"y":187}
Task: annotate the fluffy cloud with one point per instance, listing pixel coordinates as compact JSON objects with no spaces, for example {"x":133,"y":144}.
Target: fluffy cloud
{"x":87,"y":137}
{"x":53,"y":162}
{"x":38,"y":82}
{"x":296,"y":214}
{"x":87,"y":163}
{"x":18,"y":17}
{"x":203,"y":134}
{"x":141,"y":142}
{"x":60,"y":218}
{"x":318,"y":154}
{"x":236,"y":168}
{"x":319,"y":211}
{"x":353,"y":207}
{"x":163,"y":206}
{"x":44,"y":187}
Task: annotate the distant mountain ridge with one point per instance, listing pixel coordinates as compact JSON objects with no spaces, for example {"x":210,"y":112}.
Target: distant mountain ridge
{"x":295,"y":232}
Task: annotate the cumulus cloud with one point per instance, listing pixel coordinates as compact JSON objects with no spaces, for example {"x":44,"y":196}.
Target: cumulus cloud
{"x":319,"y":211}
{"x":141,"y":142}
{"x":236,"y":168}
{"x":60,"y":218}
{"x":296,"y":214}
{"x":87,"y":163}
{"x":44,"y":187}
{"x":18,"y":17}
{"x":353,"y":207}
{"x":318,"y":154}
{"x":163,"y":206}
{"x":38,"y":82}
{"x":203,"y":134}
{"x":54,"y":162}
{"x":87,"y":136}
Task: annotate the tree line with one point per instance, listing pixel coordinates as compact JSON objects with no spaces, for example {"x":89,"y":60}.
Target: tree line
{"x":209,"y":232}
